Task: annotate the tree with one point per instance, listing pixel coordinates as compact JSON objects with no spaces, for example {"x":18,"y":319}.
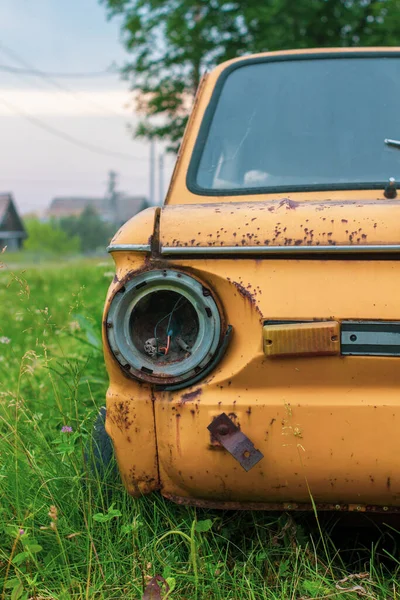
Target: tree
{"x":89,"y":228}
{"x":49,"y":238}
{"x":173,"y":42}
{"x":322,"y":23}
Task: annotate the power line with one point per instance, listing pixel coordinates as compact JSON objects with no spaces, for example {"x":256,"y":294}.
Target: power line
{"x":36,"y":72}
{"x":66,"y":137}
{"x":65,"y":182}
{"x":42,"y":75}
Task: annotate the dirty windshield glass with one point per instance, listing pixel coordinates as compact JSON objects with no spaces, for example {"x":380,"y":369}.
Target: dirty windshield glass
{"x":304,"y":123}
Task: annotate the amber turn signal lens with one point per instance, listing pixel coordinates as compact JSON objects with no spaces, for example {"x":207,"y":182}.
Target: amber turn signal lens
{"x":302,"y":339}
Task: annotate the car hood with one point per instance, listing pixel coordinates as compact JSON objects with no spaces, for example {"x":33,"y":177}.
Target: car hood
{"x":281,"y":224}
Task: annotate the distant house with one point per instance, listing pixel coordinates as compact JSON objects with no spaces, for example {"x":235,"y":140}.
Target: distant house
{"x":12,"y":230}
{"x":116,"y":210}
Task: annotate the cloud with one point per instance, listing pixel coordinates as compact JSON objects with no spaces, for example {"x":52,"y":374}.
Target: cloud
{"x":13,"y":102}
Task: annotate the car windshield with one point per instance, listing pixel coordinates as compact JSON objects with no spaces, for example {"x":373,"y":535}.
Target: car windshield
{"x":309,"y":123}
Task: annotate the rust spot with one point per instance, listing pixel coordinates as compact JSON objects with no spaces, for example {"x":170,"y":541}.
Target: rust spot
{"x":290,"y":204}
{"x":272,"y":421}
{"x":250,"y":296}
{"x":178,"y":434}
{"x":344,"y":221}
{"x":214,"y":443}
{"x":191,"y":395}
{"x":150,"y":482}
{"x":233,"y":418}
{"x":388,"y":483}
{"x":245,"y":293}
{"x":271,"y":506}
{"x":120,"y":415}
{"x":248,"y":411}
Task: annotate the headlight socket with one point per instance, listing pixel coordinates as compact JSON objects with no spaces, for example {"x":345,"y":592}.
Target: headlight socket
{"x":164,"y":327}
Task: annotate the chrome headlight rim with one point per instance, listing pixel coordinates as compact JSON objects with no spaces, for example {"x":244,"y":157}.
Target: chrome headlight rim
{"x":118,"y":326}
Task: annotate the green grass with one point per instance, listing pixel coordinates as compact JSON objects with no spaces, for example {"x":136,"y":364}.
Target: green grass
{"x":65,"y":535}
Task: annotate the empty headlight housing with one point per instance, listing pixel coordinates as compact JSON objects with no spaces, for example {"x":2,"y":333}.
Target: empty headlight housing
{"x":164,"y":327}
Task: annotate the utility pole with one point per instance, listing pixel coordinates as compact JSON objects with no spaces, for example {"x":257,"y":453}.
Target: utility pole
{"x":112,"y":194}
{"x":152,"y":173}
{"x":161,"y":178}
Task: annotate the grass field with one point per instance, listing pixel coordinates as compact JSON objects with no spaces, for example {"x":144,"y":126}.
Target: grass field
{"x":65,"y":535}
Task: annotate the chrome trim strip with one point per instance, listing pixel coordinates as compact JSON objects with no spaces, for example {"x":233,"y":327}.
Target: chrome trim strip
{"x":167,"y":250}
{"x":129,"y":248}
{"x":370,"y":338}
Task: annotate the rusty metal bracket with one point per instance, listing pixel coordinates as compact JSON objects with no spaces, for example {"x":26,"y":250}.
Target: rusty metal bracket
{"x":235,"y":441}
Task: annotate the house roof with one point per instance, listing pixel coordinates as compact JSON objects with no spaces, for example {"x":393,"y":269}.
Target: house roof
{"x":66,"y":205}
{"x":125,"y":206}
{"x":4,"y":202}
{"x":10,"y":222}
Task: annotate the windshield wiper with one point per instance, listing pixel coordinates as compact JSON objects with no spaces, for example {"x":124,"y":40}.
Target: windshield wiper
{"x":394,"y":143}
{"x":391,"y":186}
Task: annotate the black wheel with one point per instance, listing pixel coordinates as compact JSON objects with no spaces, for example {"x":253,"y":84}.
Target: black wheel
{"x":99,"y":451}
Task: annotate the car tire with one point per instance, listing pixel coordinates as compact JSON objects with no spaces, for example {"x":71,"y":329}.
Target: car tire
{"x":99,"y":451}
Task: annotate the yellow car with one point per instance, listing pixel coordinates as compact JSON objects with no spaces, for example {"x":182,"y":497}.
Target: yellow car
{"x":252,"y":329}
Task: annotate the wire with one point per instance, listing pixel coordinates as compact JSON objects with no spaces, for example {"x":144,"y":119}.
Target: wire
{"x":66,"y":182}
{"x":19,"y":59}
{"x":169,"y":321}
{"x":166,"y":350}
{"x":68,"y":138}
{"x":172,"y":312}
{"x":36,"y":72}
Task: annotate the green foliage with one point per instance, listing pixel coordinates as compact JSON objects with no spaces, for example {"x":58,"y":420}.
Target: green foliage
{"x":92,"y":232}
{"x":112,"y":513}
{"x":49,"y":238}
{"x":173,"y":42}
{"x":203,"y":526}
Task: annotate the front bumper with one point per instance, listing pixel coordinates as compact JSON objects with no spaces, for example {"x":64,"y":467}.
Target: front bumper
{"x":324,"y":439}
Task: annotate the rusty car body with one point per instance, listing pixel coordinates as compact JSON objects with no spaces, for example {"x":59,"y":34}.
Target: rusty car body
{"x":252,"y":329}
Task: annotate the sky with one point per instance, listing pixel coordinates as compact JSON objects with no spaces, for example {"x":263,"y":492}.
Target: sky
{"x":60,"y":135}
